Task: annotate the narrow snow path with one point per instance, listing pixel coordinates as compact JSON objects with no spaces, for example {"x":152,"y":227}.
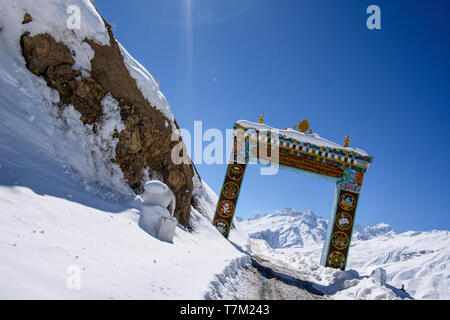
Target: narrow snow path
{"x":267,"y":281}
{"x":255,"y":278}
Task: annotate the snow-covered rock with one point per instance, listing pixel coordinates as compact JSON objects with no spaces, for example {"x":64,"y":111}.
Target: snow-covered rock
{"x":156,"y":217}
{"x":157,"y":193}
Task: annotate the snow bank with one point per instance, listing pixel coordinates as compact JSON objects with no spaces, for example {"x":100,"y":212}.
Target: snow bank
{"x":43,"y":235}
{"x":335,"y":284}
{"x":227,"y":283}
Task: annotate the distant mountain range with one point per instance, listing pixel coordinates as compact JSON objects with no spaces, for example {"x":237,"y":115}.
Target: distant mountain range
{"x":289,"y":228}
{"x":418,"y":260}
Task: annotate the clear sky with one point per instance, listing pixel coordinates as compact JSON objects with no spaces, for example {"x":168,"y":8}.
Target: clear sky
{"x":220,"y":61}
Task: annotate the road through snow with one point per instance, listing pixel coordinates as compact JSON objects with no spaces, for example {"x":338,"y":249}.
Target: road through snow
{"x":255,"y":278}
{"x":275,"y":282}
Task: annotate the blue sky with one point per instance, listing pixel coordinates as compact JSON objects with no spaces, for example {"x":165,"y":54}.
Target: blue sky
{"x":389,"y":90}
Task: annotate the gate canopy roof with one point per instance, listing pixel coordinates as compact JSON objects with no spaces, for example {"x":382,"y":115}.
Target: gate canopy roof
{"x":297,"y":148}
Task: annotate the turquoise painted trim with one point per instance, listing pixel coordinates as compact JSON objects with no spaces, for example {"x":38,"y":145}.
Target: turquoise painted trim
{"x":327,"y":241}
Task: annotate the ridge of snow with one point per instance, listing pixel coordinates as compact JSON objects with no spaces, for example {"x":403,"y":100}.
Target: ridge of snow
{"x":51,"y":16}
{"x":148,"y":85}
{"x":224,"y":285}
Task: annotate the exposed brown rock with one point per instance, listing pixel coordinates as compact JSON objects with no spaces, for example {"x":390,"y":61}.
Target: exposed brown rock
{"x":27,"y":18}
{"x":45,"y":57}
{"x":146,"y":141}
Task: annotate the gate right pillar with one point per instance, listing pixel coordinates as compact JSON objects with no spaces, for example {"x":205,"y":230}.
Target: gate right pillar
{"x":342,"y":219}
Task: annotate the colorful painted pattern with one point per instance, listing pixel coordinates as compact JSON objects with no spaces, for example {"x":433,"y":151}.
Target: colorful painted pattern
{"x":342,"y":228}
{"x":226,"y":205}
{"x":336,"y":260}
{"x":339,"y":157}
{"x":344,"y":221}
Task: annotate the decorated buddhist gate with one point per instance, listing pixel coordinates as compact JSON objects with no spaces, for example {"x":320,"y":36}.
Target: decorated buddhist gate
{"x":305,"y":153}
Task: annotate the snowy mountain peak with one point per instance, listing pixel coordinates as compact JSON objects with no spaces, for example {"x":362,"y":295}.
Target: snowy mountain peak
{"x":366,"y":233}
{"x":287,"y":212}
{"x":288,"y":228}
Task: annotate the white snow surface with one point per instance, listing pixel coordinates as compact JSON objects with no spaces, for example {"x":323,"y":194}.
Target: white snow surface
{"x":417,"y":260}
{"x":51,"y":16}
{"x":43,"y":235}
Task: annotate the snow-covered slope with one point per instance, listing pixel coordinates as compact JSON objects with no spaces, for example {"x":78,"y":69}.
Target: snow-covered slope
{"x":417,"y":260}
{"x":47,"y":240}
{"x":65,"y":209}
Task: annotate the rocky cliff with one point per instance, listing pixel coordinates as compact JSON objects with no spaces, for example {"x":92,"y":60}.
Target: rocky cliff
{"x":145,"y":143}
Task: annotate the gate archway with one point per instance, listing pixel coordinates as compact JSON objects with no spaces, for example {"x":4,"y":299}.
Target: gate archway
{"x":303,"y":153}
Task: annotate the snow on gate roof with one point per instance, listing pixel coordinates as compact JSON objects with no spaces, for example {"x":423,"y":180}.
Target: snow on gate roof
{"x":313,"y":138}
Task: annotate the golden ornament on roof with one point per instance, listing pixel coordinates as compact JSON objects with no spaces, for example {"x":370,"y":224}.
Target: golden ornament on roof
{"x":346,"y":141}
{"x":303,"y":126}
{"x":261,"y":120}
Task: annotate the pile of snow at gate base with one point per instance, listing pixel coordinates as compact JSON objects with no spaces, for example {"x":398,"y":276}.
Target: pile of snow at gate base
{"x":417,"y":260}
{"x":63,"y":208}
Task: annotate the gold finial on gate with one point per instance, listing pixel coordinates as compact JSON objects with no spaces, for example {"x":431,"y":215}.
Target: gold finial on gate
{"x":261,"y":120}
{"x":303,"y":126}
{"x":346,"y":141}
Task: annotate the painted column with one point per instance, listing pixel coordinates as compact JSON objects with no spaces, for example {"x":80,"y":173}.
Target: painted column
{"x":229,"y":194}
{"x":342,"y":220}
{"x":226,"y":206}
